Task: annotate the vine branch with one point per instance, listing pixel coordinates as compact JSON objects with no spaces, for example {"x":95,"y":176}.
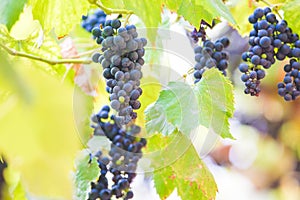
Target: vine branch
{"x":109,"y":11}
{"x":49,"y":61}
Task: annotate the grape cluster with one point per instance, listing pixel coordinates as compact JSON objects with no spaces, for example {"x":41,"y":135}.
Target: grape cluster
{"x":122,"y":60}
{"x":195,"y":35}
{"x":125,"y":152}
{"x":270,"y":40}
{"x":211,"y":55}
{"x":201,"y":33}
{"x":93,"y":20}
{"x":289,"y":89}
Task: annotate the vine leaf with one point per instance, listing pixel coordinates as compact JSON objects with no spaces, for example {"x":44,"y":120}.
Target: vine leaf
{"x":59,"y":15}
{"x":195,"y":10}
{"x":216,"y":101}
{"x":175,"y":107}
{"x":10,"y":11}
{"x":188,"y":173}
{"x":192,"y":10}
{"x":85,"y":173}
{"x":291,"y":14}
{"x":209,"y":103}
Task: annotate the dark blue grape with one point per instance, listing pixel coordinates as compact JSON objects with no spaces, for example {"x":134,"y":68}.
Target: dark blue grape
{"x":116,"y":23}
{"x":281,"y":91}
{"x":296,"y":52}
{"x":245,"y":77}
{"x":263,"y":24}
{"x":243,"y":67}
{"x":105,"y":194}
{"x":271,"y":18}
{"x":287,"y":68}
{"x":280,"y":27}
{"x":258,"y":13}
{"x":252,"y":19}
{"x":277,"y":43}
{"x":288,"y":97}
{"x":257,"y":50}
{"x":260,"y":74}
{"x":255,"y":60}
{"x":265,"y":42}
{"x":284,"y":49}
{"x":297,"y":44}
{"x":253,"y":74}
{"x":287,"y":79}
{"x":262,"y":33}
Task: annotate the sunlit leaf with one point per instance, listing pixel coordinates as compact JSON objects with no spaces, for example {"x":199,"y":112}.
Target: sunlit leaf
{"x":59,"y":15}
{"x":291,"y":14}
{"x":175,"y":107}
{"x":10,"y":11}
{"x":216,"y":101}
{"x":86,"y":171}
{"x":209,"y":103}
{"x":187,"y":173}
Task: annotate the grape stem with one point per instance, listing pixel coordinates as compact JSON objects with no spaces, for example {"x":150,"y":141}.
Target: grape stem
{"x":127,"y":19}
{"x":109,"y":11}
{"x":85,"y":53}
{"x":49,"y":61}
{"x":191,"y":70}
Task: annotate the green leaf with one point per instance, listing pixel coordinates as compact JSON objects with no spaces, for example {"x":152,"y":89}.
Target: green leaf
{"x":209,"y":103}
{"x":192,"y":10}
{"x":10,"y":11}
{"x":86,"y":172}
{"x":195,"y":10}
{"x":291,"y":14}
{"x":216,"y":8}
{"x":175,"y":107}
{"x":216,"y":101}
{"x":59,"y":15}
{"x":187,"y":173}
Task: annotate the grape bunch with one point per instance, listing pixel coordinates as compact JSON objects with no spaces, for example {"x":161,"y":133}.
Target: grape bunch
{"x":210,"y":55}
{"x":201,"y":33}
{"x":270,"y":40}
{"x":195,"y":34}
{"x":289,"y":89}
{"x":122,"y":159}
{"x":122,"y":60}
{"x":93,"y":20}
